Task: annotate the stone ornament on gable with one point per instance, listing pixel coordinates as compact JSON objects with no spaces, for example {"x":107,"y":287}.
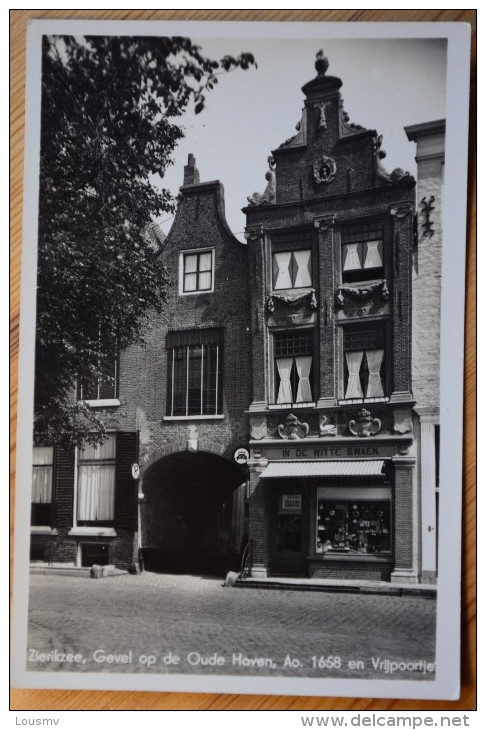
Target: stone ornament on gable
{"x":382,"y":175}
{"x":326,"y":428}
{"x":321,"y":119}
{"x":324,"y":169}
{"x":269,"y":194}
{"x":293,"y":429}
{"x":364,"y":425}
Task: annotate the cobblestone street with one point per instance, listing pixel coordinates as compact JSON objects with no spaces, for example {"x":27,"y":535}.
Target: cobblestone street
{"x":124,"y":620}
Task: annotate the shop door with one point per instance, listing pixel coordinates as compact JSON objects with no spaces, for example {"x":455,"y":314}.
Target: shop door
{"x":289,"y":534}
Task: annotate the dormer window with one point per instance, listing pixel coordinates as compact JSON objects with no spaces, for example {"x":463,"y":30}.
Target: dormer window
{"x":362,"y":254}
{"x":292,"y":269}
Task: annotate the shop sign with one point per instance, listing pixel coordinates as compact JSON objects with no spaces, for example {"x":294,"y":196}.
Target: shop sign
{"x":291,"y":501}
{"x":356,"y":451}
{"x":135,"y":471}
{"x":241,"y":456}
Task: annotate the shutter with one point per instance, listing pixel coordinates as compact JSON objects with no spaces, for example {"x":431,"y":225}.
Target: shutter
{"x":63,"y":494}
{"x":125,"y":485}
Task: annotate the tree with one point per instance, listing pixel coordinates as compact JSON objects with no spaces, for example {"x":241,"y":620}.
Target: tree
{"x":108,"y":125}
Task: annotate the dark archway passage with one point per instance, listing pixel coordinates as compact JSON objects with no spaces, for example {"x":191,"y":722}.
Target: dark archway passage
{"x":193,"y":514}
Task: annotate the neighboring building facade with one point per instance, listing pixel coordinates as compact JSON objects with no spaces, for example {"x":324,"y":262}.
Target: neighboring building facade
{"x":296,"y":347}
{"x":178,"y":406}
{"x":426,"y":287}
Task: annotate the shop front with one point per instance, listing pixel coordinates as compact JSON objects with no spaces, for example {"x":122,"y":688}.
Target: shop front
{"x":344,"y":511}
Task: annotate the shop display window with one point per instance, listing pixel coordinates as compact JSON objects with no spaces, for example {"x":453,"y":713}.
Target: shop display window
{"x":353,"y":526}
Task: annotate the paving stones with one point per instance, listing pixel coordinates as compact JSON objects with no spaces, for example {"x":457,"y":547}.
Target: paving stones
{"x":195,"y":619}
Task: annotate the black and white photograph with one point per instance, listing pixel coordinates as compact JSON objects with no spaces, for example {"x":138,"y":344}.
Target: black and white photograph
{"x":239,"y":461}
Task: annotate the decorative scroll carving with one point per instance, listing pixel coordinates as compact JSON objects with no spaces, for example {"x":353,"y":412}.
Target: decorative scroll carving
{"x":326,"y":428}
{"x":324,"y":169}
{"x":426,"y":208}
{"x":379,"y":288}
{"x":293,"y":429}
{"x":347,"y":127}
{"x":258,"y":427}
{"x":253,"y":233}
{"x":293,"y":300}
{"x":401,"y":210}
{"x":325,"y":222}
{"x":364,"y":425}
{"x":382,"y":175}
{"x":269,"y":194}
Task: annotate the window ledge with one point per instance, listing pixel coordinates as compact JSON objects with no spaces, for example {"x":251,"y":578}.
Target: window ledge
{"x":42,"y":530}
{"x":290,"y":406}
{"x":193,"y":418}
{"x":93,"y":531}
{"x":360,"y":401}
{"x":370,"y":557}
{"x":101,"y":403}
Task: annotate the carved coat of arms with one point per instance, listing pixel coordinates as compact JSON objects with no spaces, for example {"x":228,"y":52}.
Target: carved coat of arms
{"x":324,"y":169}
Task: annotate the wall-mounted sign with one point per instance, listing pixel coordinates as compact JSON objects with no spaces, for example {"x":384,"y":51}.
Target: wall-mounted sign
{"x":241,"y":456}
{"x":135,"y":471}
{"x":292,"y":501}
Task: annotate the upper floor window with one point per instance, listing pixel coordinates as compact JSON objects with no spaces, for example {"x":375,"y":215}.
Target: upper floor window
{"x":197,"y":272}
{"x":365,"y":362}
{"x":195,"y":367}
{"x":293,"y":353}
{"x":42,"y":474}
{"x":292,"y":269}
{"x":96,"y":483}
{"x":362,"y":253}
{"x":104,"y":384}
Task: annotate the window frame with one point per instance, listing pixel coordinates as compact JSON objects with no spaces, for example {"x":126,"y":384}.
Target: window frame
{"x":200,"y":339}
{"x":89,"y":525}
{"x":292,"y":250}
{"x":37,"y":523}
{"x":314,"y":371}
{"x":182,"y":272}
{"x":362,"y":233}
{"x":113,"y":399}
{"x":361,"y":495}
{"x":367,"y":324}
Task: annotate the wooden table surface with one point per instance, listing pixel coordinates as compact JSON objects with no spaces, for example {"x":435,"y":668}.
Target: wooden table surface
{"x":108,"y":700}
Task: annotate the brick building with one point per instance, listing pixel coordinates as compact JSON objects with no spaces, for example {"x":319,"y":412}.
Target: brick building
{"x":426,"y":287}
{"x":183,"y":397}
{"x":296,"y":347}
{"x":330,"y":248}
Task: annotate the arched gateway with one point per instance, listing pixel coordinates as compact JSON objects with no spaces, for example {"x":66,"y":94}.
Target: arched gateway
{"x":193,"y":514}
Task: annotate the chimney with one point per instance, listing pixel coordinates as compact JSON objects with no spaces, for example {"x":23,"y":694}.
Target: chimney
{"x":191,"y":173}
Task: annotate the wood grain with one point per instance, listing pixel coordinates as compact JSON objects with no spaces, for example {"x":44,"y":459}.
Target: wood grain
{"x":105,"y":700}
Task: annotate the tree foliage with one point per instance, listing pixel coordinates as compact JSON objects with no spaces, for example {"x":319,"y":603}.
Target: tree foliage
{"x":109,"y":123}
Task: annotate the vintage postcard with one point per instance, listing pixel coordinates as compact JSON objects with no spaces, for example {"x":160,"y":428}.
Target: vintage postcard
{"x":240,"y":390}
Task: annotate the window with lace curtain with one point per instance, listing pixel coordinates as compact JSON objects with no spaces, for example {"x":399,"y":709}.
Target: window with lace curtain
{"x":293,"y":356}
{"x":42,"y":477}
{"x":96,"y":483}
{"x":364,"y":361}
{"x":362,"y":253}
